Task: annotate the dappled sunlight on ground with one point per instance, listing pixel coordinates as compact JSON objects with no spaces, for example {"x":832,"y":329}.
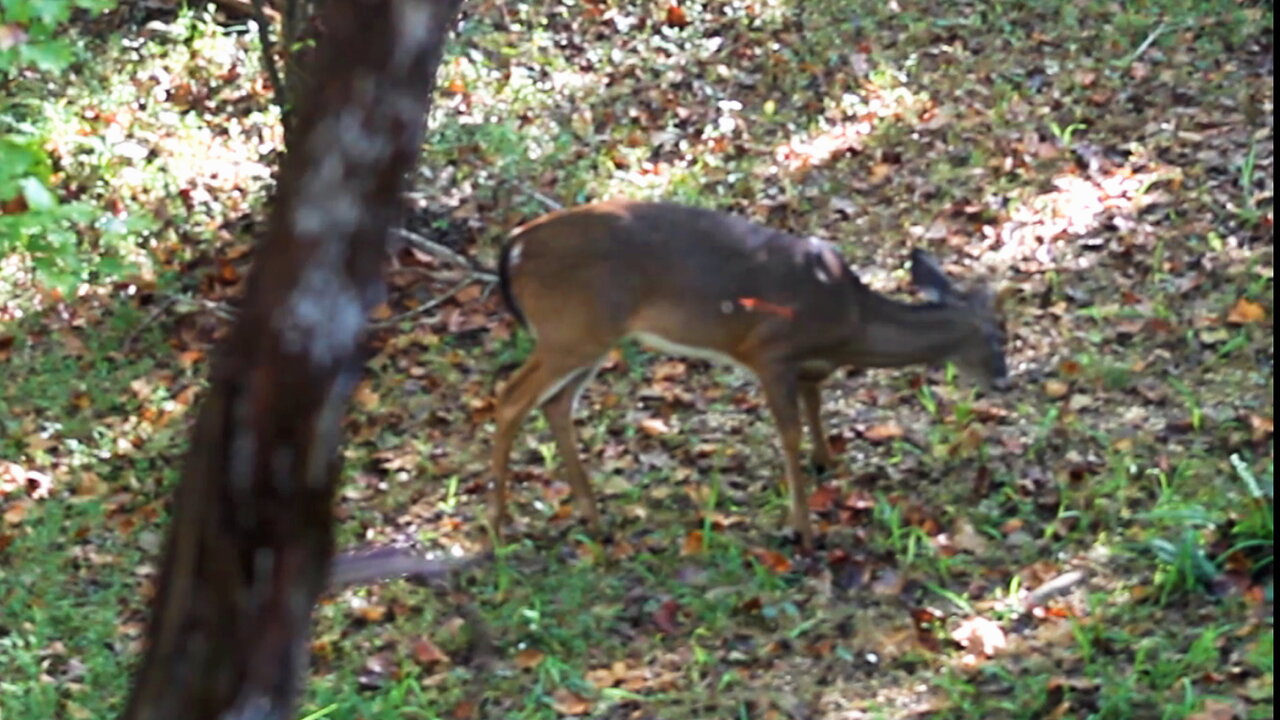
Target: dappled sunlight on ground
{"x":1077,"y":206}
{"x":816,"y":149}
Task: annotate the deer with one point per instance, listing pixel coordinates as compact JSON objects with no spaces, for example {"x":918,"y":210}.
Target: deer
{"x":705,"y":284}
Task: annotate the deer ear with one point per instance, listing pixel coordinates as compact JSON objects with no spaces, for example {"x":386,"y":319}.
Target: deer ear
{"x":926,"y":275}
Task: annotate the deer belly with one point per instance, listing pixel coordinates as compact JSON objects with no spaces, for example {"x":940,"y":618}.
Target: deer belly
{"x":658,"y":342}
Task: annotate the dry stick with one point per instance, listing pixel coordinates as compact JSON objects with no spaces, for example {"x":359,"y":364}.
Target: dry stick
{"x":1146,"y":43}
{"x":161,"y":306}
{"x":433,"y":303}
{"x":550,"y":203}
{"x":435,"y":249}
{"x":362,"y":567}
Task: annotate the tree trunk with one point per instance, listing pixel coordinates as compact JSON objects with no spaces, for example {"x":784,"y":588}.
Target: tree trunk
{"x":251,"y":536}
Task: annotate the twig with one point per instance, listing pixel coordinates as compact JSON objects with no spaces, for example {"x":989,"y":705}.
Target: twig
{"x":1054,"y":587}
{"x":370,"y":566}
{"x":435,"y":301}
{"x":161,"y":306}
{"x":549,"y":202}
{"x":1146,"y":43}
{"x":434,"y":249}
{"x":269,"y":59}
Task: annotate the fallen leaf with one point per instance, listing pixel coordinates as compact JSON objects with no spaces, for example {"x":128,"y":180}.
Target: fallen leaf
{"x":772,"y":559}
{"x":980,"y":634}
{"x":655,"y":426}
{"x":1261,"y":427}
{"x":426,"y":652}
{"x":676,"y":16}
{"x":365,"y":398}
{"x":823,"y":498}
{"x":16,"y":512}
{"x":1056,"y":389}
{"x":666,"y":617}
{"x":371,"y":613}
{"x":882,"y":433}
{"x":602,"y":677}
{"x":529,"y":658}
{"x":567,"y":702}
{"x":692,"y":544}
{"x":1246,"y":311}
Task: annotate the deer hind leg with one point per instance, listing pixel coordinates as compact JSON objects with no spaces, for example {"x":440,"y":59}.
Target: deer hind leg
{"x":780,"y":389}
{"x":536,"y":381}
{"x":513,"y":404}
{"x":811,"y":399}
{"x":559,"y":411}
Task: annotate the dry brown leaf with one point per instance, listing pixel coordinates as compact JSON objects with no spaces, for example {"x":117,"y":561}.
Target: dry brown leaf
{"x":469,"y":293}
{"x":16,"y":512}
{"x":567,"y":702}
{"x":602,"y":677}
{"x":426,"y":652}
{"x":882,"y":433}
{"x":529,"y":658}
{"x":667,"y":616}
{"x":676,"y":16}
{"x":981,"y":635}
{"x":1246,"y":311}
{"x":365,"y":398}
{"x":1261,"y":427}
{"x":772,"y":559}
{"x":655,"y":426}
{"x":824,"y":498}
{"x":692,"y":544}
{"x":370,"y":613}
{"x":1056,"y":389}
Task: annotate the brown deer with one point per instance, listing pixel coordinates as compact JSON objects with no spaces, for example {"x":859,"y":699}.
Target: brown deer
{"x":706,"y":284}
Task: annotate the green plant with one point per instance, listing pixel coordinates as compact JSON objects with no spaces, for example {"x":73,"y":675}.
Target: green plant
{"x":1254,"y":529}
{"x":56,"y":236}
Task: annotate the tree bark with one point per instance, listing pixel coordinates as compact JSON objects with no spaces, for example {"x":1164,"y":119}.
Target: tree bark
{"x":251,"y":536}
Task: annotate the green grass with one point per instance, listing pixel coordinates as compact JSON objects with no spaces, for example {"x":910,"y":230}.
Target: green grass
{"x":1149,"y":474}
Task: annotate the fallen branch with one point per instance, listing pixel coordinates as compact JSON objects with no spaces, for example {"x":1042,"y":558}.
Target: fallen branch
{"x":364,"y":567}
{"x":1145,"y":44}
{"x":437,"y":250}
{"x":545,"y":200}
{"x":435,"y":301}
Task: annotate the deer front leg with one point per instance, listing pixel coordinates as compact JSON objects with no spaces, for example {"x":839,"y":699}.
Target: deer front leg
{"x":781,"y":393}
{"x":811,"y":399}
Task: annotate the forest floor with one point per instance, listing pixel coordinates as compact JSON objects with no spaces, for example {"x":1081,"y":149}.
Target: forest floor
{"x":1095,"y":543}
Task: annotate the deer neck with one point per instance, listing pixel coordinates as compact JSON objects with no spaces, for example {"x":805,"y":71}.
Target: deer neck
{"x":894,"y":334}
